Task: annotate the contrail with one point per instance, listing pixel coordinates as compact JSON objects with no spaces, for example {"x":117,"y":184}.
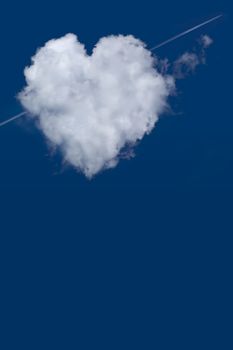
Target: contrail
{"x":12,"y":118}
{"x":153,"y":48}
{"x":186,"y":32}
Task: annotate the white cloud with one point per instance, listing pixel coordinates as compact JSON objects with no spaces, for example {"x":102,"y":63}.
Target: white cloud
{"x":92,"y":107}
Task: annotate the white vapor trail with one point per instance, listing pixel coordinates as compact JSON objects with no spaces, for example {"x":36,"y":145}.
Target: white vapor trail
{"x":154,"y":48}
{"x":186,"y":32}
{"x":12,"y":118}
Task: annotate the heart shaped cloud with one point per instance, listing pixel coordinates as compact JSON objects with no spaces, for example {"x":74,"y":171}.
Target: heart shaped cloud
{"x":92,"y":107}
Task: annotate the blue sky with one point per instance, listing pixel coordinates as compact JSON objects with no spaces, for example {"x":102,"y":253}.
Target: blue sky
{"x":140,"y":256}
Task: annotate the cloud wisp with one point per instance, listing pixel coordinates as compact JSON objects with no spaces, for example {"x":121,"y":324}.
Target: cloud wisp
{"x":187,"y":63}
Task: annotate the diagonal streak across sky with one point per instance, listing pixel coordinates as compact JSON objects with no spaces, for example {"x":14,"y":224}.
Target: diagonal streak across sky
{"x":186,"y":32}
{"x":12,"y":118}
{"x":153,"y":48}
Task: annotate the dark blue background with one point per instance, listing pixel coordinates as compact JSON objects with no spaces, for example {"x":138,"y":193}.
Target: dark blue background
{"x":140,"y":257}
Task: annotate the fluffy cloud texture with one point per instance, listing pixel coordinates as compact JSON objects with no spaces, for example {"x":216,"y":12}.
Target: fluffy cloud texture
{"x":92,"y":107}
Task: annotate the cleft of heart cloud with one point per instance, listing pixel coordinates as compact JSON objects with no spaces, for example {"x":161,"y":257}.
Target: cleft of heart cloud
{"x":93,"y":106}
